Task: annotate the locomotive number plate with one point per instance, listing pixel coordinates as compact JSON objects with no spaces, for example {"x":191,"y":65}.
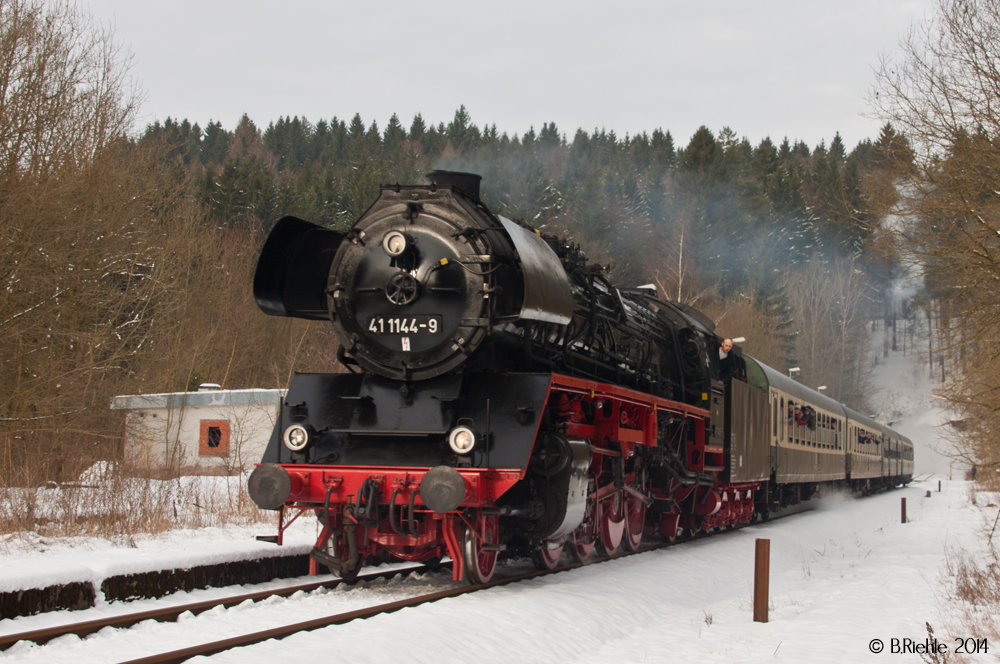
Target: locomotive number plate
{"x":411,"y":325}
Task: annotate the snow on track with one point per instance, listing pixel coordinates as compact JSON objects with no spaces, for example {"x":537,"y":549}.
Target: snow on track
{"x":150,"y":637}
{"x":841,"y":576}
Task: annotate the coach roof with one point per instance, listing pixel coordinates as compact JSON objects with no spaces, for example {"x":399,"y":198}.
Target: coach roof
{"x":782,"y":382}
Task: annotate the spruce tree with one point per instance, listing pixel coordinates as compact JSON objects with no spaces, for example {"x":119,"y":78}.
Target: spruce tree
{"x":417,"y":128}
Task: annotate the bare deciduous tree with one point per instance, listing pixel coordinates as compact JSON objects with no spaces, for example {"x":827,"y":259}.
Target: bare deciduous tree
{"x":65,"y":90}
{"x":764,"y":329}
{"x":943,"y":92}
{"x":113,"y":282}
{"x":832,"y":304}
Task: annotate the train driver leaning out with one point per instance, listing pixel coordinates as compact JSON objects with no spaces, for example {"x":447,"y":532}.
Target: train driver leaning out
{"x":725,"y":360}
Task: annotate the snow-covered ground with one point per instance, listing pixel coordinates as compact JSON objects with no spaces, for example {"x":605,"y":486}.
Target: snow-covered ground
{"x":842,"y":575}
{"x":40,"y":561}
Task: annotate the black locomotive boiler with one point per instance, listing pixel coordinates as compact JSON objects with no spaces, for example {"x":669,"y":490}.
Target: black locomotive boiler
{"x":501,"y":394}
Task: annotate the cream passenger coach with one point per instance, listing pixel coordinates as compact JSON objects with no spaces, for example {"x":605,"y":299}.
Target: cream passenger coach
{"x":814,"y":439}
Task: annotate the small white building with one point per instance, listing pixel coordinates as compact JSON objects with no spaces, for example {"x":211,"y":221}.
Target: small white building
{"x":209,"y":431}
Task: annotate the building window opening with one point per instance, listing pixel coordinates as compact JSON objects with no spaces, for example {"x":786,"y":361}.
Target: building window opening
{"x":214,"y":439}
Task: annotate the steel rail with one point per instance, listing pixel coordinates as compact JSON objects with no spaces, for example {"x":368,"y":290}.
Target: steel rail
{"x":359,"y":614}
{"x":171,"y":613}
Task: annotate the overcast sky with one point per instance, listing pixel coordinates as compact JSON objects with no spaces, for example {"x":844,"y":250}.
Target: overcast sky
{"x":792,"y":67}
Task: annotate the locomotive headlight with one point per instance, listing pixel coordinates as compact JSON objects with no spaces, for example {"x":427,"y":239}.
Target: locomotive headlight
{"x":394,"y":244}
{"x":461,"y":440}
{"x":296,"y":438}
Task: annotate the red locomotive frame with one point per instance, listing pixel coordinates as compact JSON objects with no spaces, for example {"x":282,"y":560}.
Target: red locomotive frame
{"x":342,"y":496}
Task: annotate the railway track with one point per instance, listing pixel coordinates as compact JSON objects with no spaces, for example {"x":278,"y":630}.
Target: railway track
{"x":171,"y":613}
{"x":167,"y":614}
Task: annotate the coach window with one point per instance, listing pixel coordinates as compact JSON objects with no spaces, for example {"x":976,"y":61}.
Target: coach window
{"x":793,"y":430}
{"x":774,"y":433}
{"x":800,"y":429}
{"x":790,"y":418}
{"x":803,"y":429}
{"x":782,"y":418}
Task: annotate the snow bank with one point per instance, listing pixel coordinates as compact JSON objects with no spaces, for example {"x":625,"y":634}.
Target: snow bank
{"x":65,"y":560}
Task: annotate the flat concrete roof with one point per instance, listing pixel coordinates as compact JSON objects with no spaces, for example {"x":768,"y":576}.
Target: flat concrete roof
{"x":251,"y":397}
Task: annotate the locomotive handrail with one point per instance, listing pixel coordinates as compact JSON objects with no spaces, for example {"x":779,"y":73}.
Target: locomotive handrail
{"x":634,"y":397}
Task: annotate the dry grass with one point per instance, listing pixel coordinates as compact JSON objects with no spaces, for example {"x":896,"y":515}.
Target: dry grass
{"x":975,"y":580}
{"x":116,"y":506}
{"x":977,"y":593}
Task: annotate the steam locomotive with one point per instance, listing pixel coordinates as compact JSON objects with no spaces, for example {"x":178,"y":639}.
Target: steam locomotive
{"x":502,"y":395}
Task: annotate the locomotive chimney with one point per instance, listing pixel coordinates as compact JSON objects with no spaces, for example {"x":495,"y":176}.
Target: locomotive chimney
{"x":467,"y":183}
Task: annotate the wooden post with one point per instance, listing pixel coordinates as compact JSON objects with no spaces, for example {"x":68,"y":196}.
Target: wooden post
{"x":902,"y":510}
{"x":939,"y":486}
{"x":761,"y":579}
{"x":928,"y":494}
